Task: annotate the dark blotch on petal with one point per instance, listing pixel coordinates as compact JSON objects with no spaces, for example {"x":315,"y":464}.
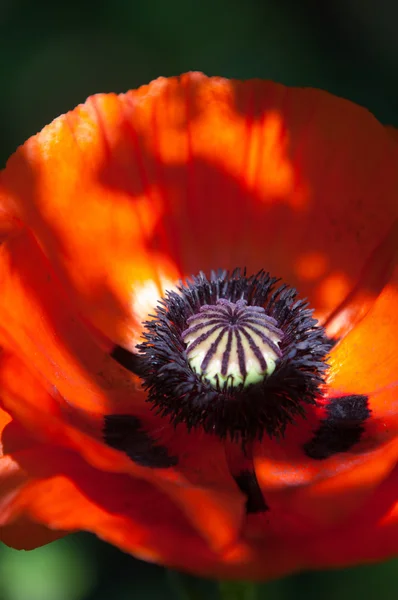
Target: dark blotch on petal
{"x":248,"y":484}
{"x":125,"y":433}
{"x":341,"y":429}
{"x":128,"y":360}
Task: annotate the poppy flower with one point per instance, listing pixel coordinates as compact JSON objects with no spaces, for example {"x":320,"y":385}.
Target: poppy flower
{"x":199,"y":294}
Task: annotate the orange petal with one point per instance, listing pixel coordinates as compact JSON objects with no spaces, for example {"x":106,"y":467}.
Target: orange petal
{"x":345,"y":519}
{"x":371,"y":536}
{"x":46,"y":492}
{"x":23,"y":533}
{"x":5,"y":419}
{"x":40,"y":324}
{"x":11,"y":476}
{"x":206,"y":495}
{"x":178,"y":171}
{"x":310,"y":495}
{"x":307,"y":496}
{"x":139,"y":519}
{"x":72,"y":383}
{"x":365,"y":361}
{"x":128,"y":512}
{"x":74,"y":156}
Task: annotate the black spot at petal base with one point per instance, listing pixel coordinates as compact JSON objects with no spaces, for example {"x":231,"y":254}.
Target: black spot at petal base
{"x":125,"y":433}
{"x":128,"y":360}
{"x":248,"y":484}
{"x":341,"y":429}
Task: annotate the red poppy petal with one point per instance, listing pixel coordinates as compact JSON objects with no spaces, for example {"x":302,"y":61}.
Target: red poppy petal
{"x":45,"y":331}
{"x":367,"y":536}
{"x":211,"y":502}
{"x":128,"y":512}
{"x":5,"y":419}
{"x":178,"y":171}
{"x":365,"y":361}
{"x":23,"y":533}
{"x":372,"y":536}
{"x":138,"y":519}
{"x":94,"y":232}
{"x":312,"y":494}
{"x":377,"y":272}
{"x":69,"y":370}
{"x":11,"y":476}
{"x":306,"y":494}
{"x":38,"y":320}
{"x":312,"y":170}
{"x":344,"y":519}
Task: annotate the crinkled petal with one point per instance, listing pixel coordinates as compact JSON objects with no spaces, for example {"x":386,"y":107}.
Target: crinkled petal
{"x":67,"y":494}
{"x":213,"y":505}
{"x":365,"y":361}
{"x":23,"y":532}
{"x":194,"y":173}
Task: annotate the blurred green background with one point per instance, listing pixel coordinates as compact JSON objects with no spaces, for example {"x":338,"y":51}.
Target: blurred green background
{"x":52,"y":56}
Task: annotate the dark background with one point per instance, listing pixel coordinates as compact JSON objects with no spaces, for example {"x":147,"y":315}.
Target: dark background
{"x":52,"y":56}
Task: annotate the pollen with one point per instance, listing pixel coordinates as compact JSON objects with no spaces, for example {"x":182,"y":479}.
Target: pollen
{"x":232,"y":344}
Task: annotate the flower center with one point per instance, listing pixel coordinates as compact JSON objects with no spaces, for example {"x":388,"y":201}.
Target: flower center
{"x":232,"y":344}
{"x":235,"y":355}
